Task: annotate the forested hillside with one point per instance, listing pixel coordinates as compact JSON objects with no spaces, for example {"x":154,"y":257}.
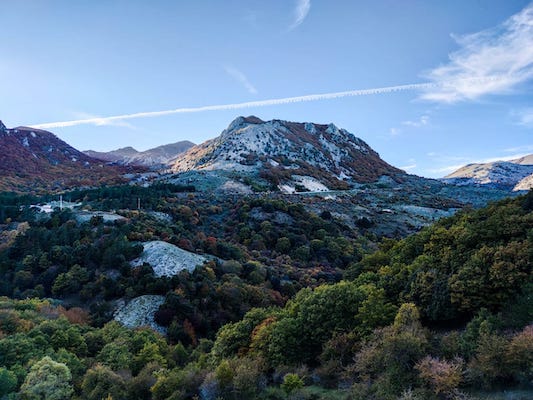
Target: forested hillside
{"x":291,"y":304}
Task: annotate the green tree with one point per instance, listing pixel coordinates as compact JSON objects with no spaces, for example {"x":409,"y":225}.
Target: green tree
{"x":8,"y":382}
{"x":47,"y":380}
{"x":116,"y":355}
{"x":291,"y":383}
{"x":386,"y":360}
{"x":100,"y":382}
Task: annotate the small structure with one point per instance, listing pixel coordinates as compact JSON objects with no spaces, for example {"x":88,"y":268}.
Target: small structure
{"x":53,"y":205}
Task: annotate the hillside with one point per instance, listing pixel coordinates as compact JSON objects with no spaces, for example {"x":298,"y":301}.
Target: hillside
{"x":295,"y":301}
{"x":289,"y":155}
{"x":154,"y":158}
{"x":511,"y":175}
{"x":114,"y":155}
{"x":526,"y":160}
{"x":34,"y":159}
{"x":188,"y":287}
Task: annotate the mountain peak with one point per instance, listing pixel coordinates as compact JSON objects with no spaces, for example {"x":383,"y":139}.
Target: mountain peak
{"x":152,"y":158}
{"x":286,"y":148}
{"x":3,"y":128}
{"x":128,"y":149}
{"x":252,"y":119}
{"x":242,"y":121}
{"x":37,"y":159}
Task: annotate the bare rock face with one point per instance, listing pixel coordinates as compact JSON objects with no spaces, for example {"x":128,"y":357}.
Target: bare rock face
{"x":326,"y":156}
{"x":167,"y":259}
{"x":157,"y":157}
{"x":525,"y":184}
{"x":140,"y":312}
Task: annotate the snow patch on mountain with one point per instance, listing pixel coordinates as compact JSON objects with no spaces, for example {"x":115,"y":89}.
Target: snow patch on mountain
{"x":288,"y":189}
{"x":310,"y":183}
{"x":250,"y":144}
{"x":232,"y":186}
{"x":167,"y":259}
{"x":156,"y":157}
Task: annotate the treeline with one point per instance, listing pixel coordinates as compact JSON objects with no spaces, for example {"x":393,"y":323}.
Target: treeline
{"x":128,"y":196}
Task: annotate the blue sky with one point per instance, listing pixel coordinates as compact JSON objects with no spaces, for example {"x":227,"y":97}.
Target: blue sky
{"x":88,"y":60}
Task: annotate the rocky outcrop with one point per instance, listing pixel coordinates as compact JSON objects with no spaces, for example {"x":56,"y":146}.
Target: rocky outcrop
{"x":167,"y":259}
{"x":324,"y":154}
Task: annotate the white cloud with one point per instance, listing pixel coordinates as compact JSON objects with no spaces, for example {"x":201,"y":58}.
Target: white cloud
{"x":241,"y":78}
{"x":422,"y":121}
{"x":395,"y":131}
{"x":527,"y":147}
{"x":410,"y":166}
{"x":100,"y":121}
{"x":237,"y":106}
{"x":493,"y":61}
{"x":300,"y":13}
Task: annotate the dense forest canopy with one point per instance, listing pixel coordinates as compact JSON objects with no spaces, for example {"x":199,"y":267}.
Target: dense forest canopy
{"x":291,"y":304}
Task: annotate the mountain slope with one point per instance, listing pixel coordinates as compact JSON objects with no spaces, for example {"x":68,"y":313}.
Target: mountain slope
{"x":302,"y":153}
{"x":526,"y":160}
{"x":155,"y":157}
{"x":513,"y":175}
{"x":34,"y":159}
{"x":114,"y":155}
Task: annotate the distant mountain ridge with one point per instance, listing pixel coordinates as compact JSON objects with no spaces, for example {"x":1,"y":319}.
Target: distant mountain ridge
{"x":289,"y":153}
{"x":512,"y":175}
{"x":34,"y":159}
{"x":526,"y":160}
{"x":156,"y":157}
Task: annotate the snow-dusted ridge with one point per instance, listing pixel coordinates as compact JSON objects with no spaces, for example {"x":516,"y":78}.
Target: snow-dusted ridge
{"x":324,"y":153}
{"x":156,"y":157}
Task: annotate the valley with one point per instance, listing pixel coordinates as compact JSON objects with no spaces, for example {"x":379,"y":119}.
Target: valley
{"x":254,"y":265}
{"x":266,"y":200}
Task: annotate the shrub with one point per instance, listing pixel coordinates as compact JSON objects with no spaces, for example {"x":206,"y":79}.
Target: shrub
{"x":519,"y":355}
{"x":442,"y":376}
{"x":292,"y":382}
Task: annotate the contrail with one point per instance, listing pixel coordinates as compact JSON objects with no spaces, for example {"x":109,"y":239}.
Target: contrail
{"x":237,"y":106}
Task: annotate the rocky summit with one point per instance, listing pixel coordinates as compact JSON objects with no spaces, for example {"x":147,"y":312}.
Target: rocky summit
{"x":289,"y":153}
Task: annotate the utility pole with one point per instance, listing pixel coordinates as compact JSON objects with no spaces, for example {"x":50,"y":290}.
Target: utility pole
{"x":138,"y":203}
{"x":61,"y":202}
